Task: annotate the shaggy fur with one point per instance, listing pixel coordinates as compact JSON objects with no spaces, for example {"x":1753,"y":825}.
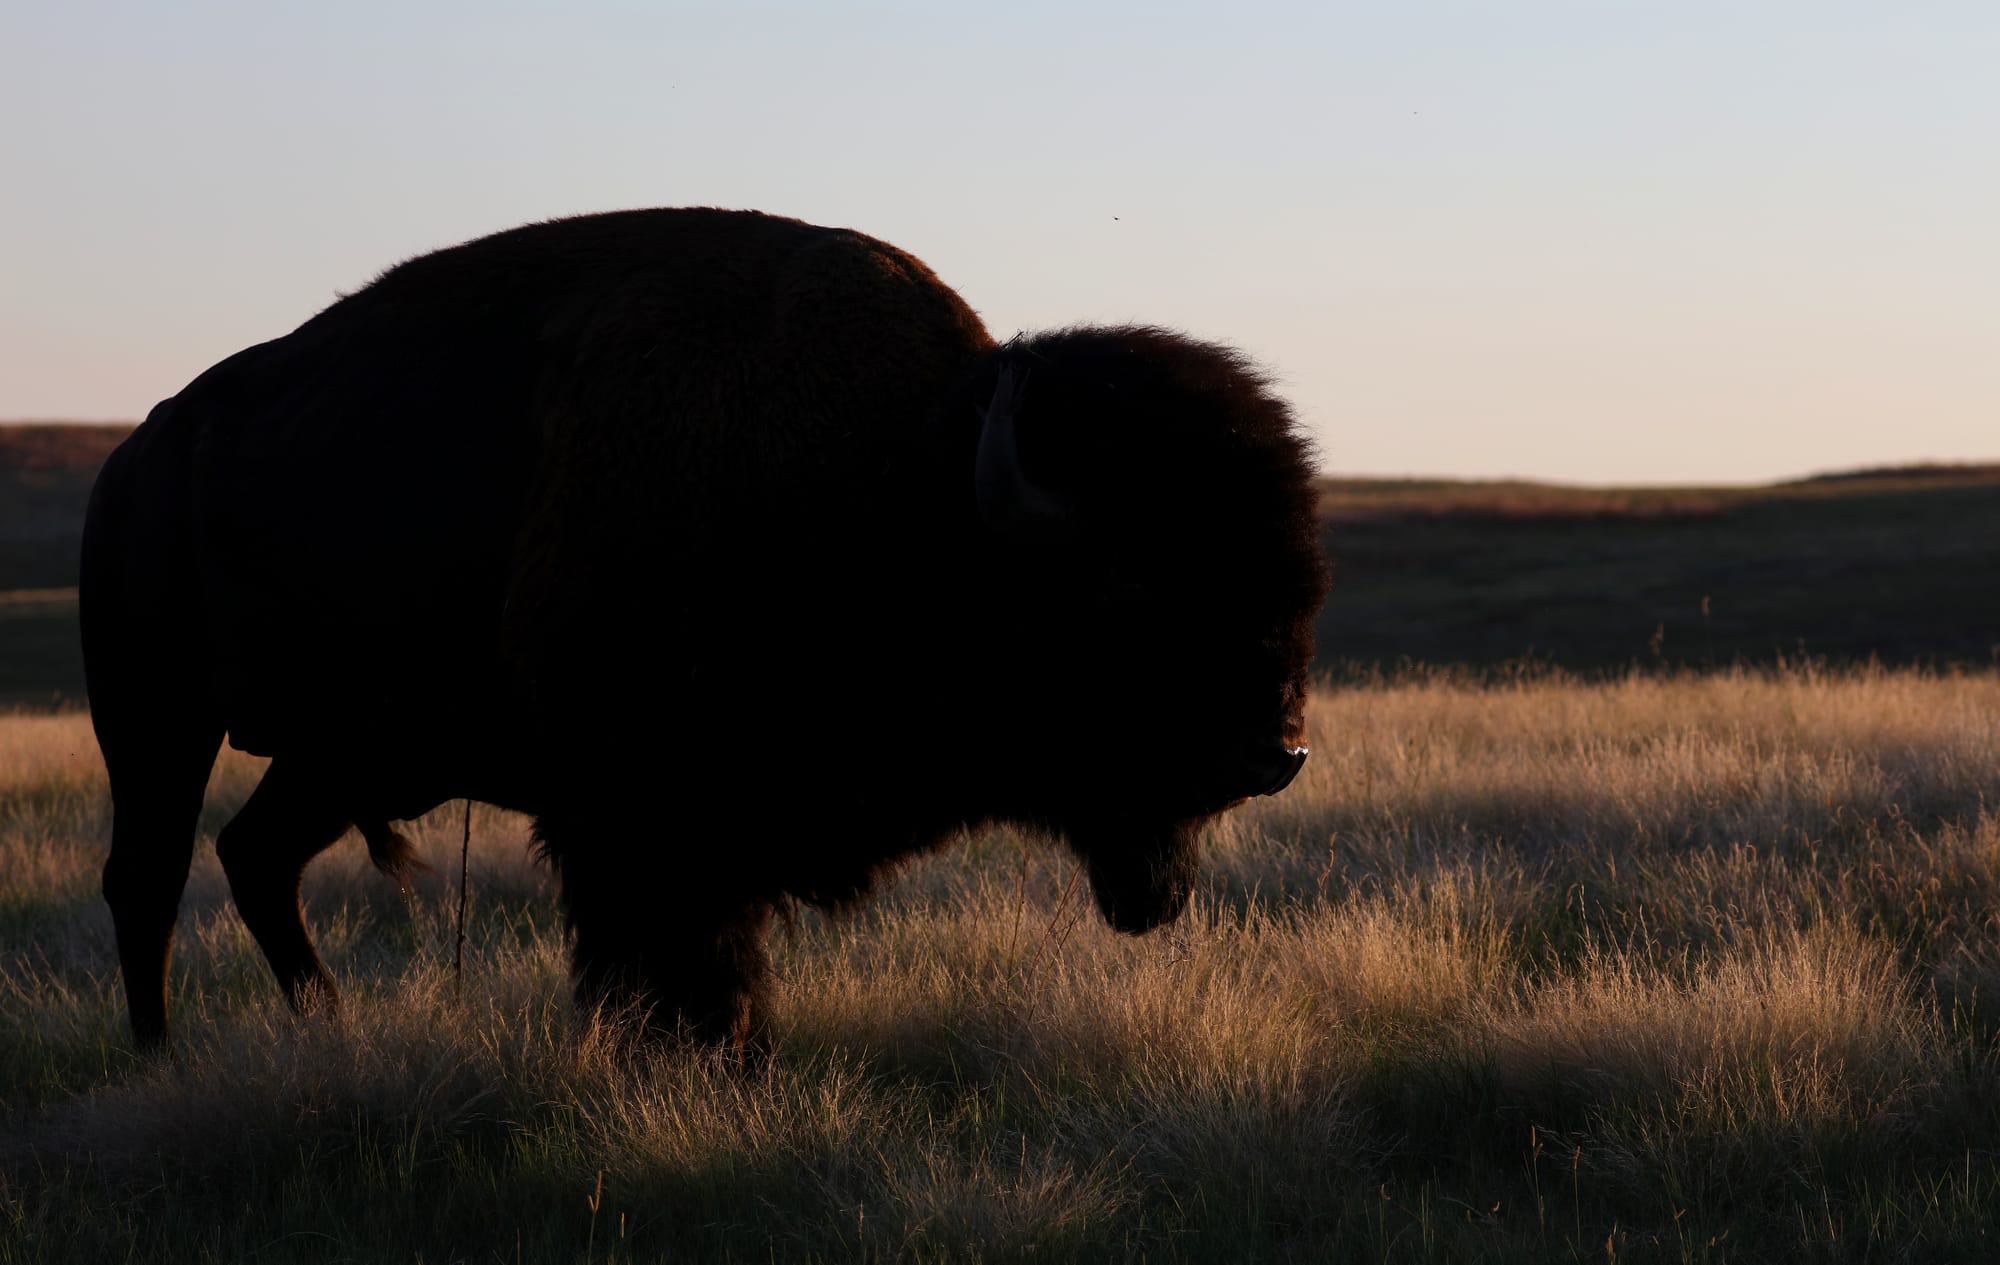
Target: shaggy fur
{"x":639,"y":475}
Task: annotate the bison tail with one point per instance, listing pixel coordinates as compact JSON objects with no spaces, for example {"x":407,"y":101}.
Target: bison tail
{"x":392,"y":853}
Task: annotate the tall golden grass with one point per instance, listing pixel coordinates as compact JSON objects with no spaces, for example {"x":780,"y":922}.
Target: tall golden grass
{"x":1681,"y":968}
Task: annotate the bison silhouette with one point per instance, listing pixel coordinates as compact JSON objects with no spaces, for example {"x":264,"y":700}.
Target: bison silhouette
{"x":731,"y":548}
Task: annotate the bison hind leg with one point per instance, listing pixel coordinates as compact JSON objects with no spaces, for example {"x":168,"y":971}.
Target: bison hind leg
{"x":287,"y":821}
{"x":158,"y":768}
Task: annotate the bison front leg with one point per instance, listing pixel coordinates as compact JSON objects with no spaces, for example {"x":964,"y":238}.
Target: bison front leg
{"x":699,"y":976}
{"x":688,"y":959}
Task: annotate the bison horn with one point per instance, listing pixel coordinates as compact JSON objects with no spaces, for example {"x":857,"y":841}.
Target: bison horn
{"x":1009,"y":501}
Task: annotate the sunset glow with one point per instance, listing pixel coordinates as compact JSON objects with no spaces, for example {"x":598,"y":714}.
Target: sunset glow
{"x":1610,"y":243}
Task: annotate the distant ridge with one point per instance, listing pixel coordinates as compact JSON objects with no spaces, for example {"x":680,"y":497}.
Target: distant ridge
{"x":1938,"y":471}
{"x":65,"y":422}
{"x":46,"y":469}
{"x":77,"y":447}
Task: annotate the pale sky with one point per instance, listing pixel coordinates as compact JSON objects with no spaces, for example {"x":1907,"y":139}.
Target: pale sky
{"x":1588,"y":241}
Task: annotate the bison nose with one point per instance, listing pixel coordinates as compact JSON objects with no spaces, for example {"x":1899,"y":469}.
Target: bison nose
{"x":1294,"y":760}
{"x":1270,"y":769}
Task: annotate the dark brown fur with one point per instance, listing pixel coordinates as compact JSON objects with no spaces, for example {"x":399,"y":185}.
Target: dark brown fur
{"x":661,"y":526}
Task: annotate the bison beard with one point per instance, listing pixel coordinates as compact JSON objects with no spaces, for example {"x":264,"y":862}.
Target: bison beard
{"x":681,"y":960}
{"x":1141,"y":876}
{"x":641,"y":490}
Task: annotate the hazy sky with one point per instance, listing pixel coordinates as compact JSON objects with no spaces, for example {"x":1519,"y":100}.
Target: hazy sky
{"x":1588,"y":241}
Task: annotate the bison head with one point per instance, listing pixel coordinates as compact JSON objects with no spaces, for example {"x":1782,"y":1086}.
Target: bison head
{"x":1148,"y":510}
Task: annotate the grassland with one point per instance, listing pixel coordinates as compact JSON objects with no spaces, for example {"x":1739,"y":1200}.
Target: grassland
{"x":1663,"y":967}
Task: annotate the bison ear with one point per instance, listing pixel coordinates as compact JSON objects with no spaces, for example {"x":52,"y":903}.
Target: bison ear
{"x":1010,"y":502}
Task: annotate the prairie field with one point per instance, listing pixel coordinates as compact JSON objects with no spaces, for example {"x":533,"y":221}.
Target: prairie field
{"x":1672,"y":966}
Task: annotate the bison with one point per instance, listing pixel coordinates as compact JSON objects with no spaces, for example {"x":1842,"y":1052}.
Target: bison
{"x":731,"y":548}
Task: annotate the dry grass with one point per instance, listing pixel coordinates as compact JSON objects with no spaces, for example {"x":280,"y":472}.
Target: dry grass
{"x":1691,"y":968}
